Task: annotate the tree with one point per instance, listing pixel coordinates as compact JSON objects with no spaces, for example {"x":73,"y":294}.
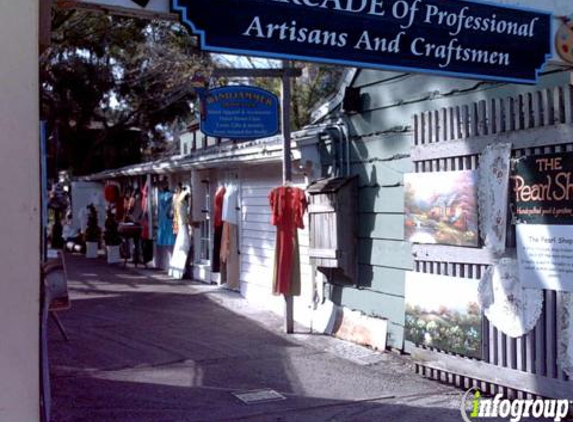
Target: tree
{"x":114,"y":89}
{"x":317,"y":82}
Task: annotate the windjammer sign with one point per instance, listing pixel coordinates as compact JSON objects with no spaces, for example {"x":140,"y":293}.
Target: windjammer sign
{"x":453,"y":37}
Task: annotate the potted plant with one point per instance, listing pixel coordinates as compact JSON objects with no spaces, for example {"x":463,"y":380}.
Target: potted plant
{"x":112,"y":239}
{"x":93,"y":233}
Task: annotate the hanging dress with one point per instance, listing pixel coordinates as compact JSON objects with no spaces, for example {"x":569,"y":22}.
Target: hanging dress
{"x":178,"y":262}
{"x":218,"y":226}
{"x":165,"y":236}
{"x":288,"y":205}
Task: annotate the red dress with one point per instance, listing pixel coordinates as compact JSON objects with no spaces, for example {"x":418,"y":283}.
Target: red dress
{"x":219,"y":198}
{"x":288,"y":205}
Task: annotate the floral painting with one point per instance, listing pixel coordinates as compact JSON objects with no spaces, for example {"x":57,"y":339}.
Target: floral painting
{"x":443,"y":312}
{"x":441,"y":208}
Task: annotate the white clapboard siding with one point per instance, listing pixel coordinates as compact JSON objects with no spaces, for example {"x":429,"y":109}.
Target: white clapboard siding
{"x":258,"y":238}
{"x":251,"y":247}
{"x":257,"y":209}
{"x":255,"y":257}
{"x":259,"y":193}
{"x":255,"y":201}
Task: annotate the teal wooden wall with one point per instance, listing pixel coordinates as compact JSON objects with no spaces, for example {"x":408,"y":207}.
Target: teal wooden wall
{"x":382,"y":138}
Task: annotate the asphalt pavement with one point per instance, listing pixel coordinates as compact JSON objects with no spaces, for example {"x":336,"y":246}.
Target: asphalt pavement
{"x":145,"y":348}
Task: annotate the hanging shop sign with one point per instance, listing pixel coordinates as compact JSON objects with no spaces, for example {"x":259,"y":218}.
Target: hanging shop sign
{"x":545,"y":256}
{"x":457,"y":38}
{"x":542,"y":206}
{"x":240,"y":112}
{"x":542,"y":189}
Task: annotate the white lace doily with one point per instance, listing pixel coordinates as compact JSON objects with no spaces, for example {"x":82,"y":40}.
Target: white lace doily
{"x":566,"y":337}
{"x":493,"y":195}
{"x":508,"y":306}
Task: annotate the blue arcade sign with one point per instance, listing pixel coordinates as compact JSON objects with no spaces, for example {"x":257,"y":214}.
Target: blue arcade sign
{"x":453,"y":37}
{"x":240,"y":112}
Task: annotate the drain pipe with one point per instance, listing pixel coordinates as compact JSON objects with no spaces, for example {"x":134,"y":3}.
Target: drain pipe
{"x":346,"y":137}
{"x":339,"y":139}
{"x":343,"y":147}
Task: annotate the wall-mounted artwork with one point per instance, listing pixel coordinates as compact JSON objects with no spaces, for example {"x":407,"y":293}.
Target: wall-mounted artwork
{"x":443,"y":312}
{"x":441,"y":208}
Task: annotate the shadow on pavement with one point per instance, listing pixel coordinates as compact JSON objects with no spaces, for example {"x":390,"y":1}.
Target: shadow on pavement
{"x":178,"y":354}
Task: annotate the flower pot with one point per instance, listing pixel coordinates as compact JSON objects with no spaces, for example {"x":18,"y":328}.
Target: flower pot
{"x":91,"y":249}
{"x":113,"y":256}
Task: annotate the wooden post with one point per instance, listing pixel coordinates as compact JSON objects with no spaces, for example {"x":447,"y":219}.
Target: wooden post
{"x":285,"y":74}
{"x":45,"y":25}
{"x":287,"y":174}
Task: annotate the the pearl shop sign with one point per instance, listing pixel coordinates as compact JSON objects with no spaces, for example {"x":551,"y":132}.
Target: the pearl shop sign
{"x":458,"y":38}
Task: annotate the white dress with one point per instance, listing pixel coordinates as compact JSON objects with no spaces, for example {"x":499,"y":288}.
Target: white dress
{"x":182,"y":241}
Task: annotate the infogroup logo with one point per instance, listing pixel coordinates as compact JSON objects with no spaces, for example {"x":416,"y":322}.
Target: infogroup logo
{"x":475,"y":406}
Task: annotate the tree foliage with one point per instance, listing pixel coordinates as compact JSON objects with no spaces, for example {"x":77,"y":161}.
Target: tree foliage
{"x":317,"y":82}
{"x":106,"y":75}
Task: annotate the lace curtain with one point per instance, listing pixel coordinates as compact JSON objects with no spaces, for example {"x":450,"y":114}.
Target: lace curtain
{"x":511,"y":308}
{"x":493,"y":195}
{"x":566,"y":334}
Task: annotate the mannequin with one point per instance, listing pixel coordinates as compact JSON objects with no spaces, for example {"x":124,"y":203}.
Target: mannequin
{"x":178,"y":263}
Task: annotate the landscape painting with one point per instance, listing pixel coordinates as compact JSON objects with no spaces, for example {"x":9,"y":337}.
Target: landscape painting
{"x":441,"y":208}
{"x":448,"y":321}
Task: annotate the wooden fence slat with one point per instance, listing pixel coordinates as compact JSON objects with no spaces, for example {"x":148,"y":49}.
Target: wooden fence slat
{"x":474,"y":120}
{"x":493,"y":339}
{"x":423,"y":132}
{"x":437,"y":126}
{"x":416,"y":129}
{"x":444,"y":124}
{"x":540,"y":368}
{"x":451,"y":125}
{"x":509,"y":352}
{"x":482,"y":118}
{"x":519,"y":113}
{"x":497,"y":118}
{"x":465,"y":120}
{"x":567,"y":105}
{"x":520,"y":363}
{"x":501,"y":349}
{"x":479,"y":370}
{"x":527,"y":121}
{"x":557,"y":108}
{"x":510,"y":117}
{"x":547,"y":107}
{"x":550,"y":333}
{"x":537,"y":109}
{"x":429,"y":127}
{"x":485,"y":338}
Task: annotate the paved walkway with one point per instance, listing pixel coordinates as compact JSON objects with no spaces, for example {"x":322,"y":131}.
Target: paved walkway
{"x":144,"y":348}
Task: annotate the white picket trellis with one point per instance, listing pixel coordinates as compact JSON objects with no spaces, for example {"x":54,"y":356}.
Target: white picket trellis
{"x":450,"y":139}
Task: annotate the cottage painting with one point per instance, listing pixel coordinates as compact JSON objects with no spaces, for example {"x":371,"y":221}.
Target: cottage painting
{"x":441,"y":208}
{"x":450,"y":322}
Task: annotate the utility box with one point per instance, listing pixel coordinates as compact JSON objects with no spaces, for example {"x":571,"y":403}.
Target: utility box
{"x":332,"y":212}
